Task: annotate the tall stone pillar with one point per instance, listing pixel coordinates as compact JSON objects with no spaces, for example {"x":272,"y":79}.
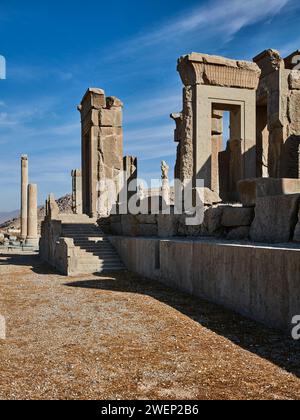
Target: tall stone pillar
{"x":165,"y":190}
{"x":76,"y":191}
{"x":130,"y":169}
{"x":24,"y":198}
{"x":32,"y":227}
{"x":102,"y":148}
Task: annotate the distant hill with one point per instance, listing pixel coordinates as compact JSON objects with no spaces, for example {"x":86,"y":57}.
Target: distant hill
{"x":6,"y":216}
{"x":11,"y":220}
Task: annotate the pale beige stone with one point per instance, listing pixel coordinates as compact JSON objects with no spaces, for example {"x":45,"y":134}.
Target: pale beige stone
{"x":102,"y":149}
{"x":237,"y":216}
{"x":275,"y":218}
{"x":76,"y":191}
{"x":294,"y":80}
{"x":250,"y":189}
{"x":24,"y":196}
{"x":212,"y":221}
{"x":32,"y":226}
{"x":294,"y":112}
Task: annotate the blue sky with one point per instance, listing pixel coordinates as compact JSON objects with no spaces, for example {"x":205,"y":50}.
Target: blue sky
{"x":55,"y":50}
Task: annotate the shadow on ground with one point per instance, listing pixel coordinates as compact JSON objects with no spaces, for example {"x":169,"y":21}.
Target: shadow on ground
{"x":249,"y":335}
{"x":27,"y":260}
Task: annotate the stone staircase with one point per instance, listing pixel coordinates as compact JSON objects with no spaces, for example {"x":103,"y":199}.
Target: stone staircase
{"x":94,"y":252}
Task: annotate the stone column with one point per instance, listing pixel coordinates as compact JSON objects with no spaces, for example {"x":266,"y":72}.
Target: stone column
{"x":130,"y":169}
{"x":32,"y":227}
{"x":76,"y":191}
{"x":24,"y":198}
{"x":165,"y":190}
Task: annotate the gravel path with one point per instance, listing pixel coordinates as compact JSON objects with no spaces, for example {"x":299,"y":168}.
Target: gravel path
{"x":123,"y":337}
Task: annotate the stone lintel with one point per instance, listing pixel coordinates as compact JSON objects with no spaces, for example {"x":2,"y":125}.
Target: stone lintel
{"x":213,"y":70}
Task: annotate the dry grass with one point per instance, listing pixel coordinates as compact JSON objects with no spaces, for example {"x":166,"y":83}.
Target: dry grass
{"x":123,"y":337}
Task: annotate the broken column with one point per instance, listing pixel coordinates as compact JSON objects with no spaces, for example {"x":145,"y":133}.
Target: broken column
{"x":32,"y":226}
{"x":76,"y":191}
{"x":24,"y":198}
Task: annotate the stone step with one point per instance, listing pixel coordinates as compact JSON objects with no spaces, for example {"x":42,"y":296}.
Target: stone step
{"x":94,"y":252}
{"x":90,"y":268}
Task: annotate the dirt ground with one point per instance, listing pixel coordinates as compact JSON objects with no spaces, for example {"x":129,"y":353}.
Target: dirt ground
{"x":122,"y":337}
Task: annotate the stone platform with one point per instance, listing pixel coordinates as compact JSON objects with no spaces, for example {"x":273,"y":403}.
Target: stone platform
{"x":256,"y":280}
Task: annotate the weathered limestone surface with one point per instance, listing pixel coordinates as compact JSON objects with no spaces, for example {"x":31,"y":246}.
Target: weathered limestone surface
{"x":218,"y":71}
{"x":76,"y":191}
{"x":250,"y":189}
{"x":239,"y":233}
{"x":24,"y":196}
{"x":212,"y":223}
{"x":259,"y":282}
{"x":237,"y":216}
{"x":32,"y":226}
{"x":275,"y":218}
{"x":213,"y":85}
{"x":102,"y":149}
{"x":278,"y":116}
{"x":167,"y":225}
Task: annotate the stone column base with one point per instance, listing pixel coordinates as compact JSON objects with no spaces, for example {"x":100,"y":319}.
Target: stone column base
{"x":34,"y":242}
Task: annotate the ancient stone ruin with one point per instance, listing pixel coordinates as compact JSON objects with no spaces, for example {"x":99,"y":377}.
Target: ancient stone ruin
{"x":29,"y":210}
{"x":250,"y":196}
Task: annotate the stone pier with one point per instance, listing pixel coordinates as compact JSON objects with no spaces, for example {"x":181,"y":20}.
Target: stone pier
{"x":24,"y":198}
{"x":32,"y":226}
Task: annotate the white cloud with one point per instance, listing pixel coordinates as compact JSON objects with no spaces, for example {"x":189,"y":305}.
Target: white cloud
{"x":162,"y":105}
{"x":221,"y":18}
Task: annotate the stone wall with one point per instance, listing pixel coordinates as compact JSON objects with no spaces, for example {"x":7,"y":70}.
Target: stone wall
{"x":226,"y":221}
{"x":278,"y":117}
{"x":270,"y":214}
{"x":259,"y":282}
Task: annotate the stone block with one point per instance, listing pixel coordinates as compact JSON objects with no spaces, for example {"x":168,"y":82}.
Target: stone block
{"x":294,"y":80}
{"x":212,"y":221}
{"x":275,"y":218}
{"x":237,"y":216}
{"x":147,"y":219}
{"x":250,"y":189}
{"x":247,"y":192}
{"x":110,"y":117}
{"x":239,"y":233}
{"x":130,"y":226}
{"x":116,"y":229}
{"x":146,"y":229}
{"x":294,"y":112}
{"x":209,"y":197}
{"x":168,"y":225}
